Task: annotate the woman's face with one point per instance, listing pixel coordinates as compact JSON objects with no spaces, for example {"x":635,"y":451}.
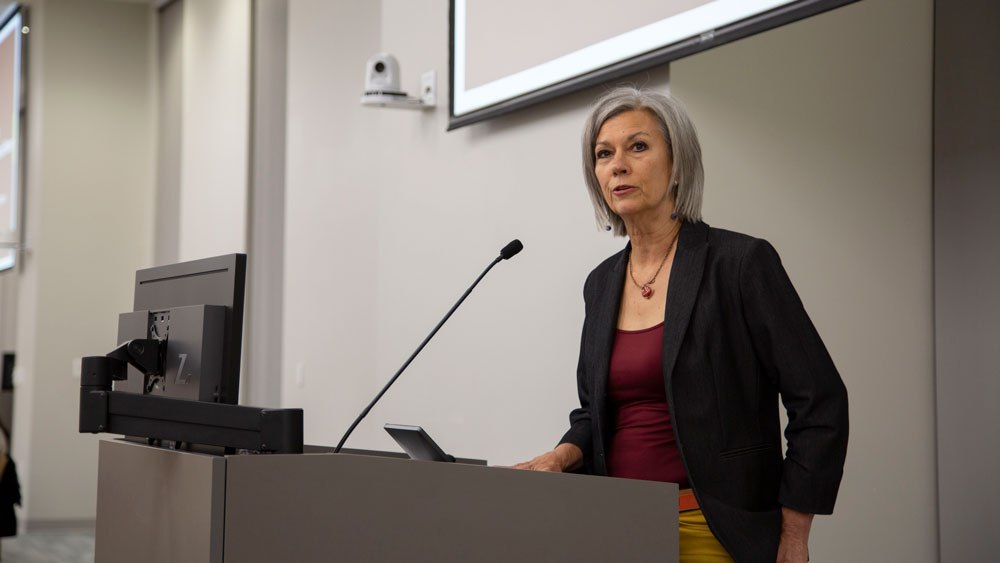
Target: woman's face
{"x":632,"y":165}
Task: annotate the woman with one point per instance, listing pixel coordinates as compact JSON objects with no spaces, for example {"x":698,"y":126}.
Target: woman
{"x":691,"y":334}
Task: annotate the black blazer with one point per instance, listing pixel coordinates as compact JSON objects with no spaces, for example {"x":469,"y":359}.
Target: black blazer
{"x":735,"y":336}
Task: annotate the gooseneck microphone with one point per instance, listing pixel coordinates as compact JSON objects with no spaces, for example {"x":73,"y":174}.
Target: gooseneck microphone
{"x":506,"y":253}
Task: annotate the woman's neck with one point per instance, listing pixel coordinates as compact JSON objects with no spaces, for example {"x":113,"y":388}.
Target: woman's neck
{"x":652,"y":240}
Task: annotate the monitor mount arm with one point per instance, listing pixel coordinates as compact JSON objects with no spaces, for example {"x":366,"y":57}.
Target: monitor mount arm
{"x":163,"y":418}
{"x":148,"y":355}
{"x":144,"y":354}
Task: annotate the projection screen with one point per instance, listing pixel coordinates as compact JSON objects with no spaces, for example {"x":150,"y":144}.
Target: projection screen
{"x":512,"y":54}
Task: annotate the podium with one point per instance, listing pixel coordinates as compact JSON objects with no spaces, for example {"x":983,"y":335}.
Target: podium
{"x":160,"y":505}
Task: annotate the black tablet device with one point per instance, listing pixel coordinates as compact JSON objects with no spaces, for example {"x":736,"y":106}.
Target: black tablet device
{"x":416,"y":443}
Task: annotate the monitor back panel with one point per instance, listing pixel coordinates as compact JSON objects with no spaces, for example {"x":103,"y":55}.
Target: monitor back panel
{"x":220,"y":280}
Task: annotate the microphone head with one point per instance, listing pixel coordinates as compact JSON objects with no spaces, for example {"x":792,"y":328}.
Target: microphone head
{"x":512,"y":248}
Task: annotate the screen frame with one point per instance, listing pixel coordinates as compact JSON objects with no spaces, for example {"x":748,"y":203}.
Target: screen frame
{"x":763,"y":21}
{"x":11,"y":248}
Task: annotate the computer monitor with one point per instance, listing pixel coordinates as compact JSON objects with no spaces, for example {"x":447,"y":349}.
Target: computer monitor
{"x":196,"y":308}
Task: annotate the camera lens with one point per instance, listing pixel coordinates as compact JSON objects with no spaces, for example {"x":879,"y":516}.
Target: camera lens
{"x":379,"y":66}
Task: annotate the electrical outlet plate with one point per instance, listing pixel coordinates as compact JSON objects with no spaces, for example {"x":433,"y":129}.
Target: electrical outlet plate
{"x":300,"y":375}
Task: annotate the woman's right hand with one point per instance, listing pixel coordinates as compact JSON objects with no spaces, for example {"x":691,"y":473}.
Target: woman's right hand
{"x":566,"y":457}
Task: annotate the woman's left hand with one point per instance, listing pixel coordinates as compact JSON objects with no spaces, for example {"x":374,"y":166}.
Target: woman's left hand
{"x":566,"y":457}
{"x":794,"y":544}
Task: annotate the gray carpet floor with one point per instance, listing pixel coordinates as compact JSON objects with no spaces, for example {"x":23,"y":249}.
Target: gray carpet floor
{"x":49,"y":547}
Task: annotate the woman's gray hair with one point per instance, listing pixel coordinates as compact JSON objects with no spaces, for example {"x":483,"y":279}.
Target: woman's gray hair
{"x":686,"y":171}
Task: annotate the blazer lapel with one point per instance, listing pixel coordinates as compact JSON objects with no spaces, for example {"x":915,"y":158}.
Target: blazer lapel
{"x":602,"y":341}
{"x":685,"y":279}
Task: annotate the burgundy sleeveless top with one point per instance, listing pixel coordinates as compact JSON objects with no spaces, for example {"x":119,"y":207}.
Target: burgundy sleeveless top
{"x":643,"y":446}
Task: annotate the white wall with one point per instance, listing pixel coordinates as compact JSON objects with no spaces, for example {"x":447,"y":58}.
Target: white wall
{"x":215,"y":128}
{"x":817,"y":136}
{"x":328,"y":257}
{"x":203,"y":80}
{"x":89,"y":187}
{"x":390,"y":219}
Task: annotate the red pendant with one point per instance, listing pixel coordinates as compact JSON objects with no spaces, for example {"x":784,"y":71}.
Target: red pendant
{"x":647,"y":291}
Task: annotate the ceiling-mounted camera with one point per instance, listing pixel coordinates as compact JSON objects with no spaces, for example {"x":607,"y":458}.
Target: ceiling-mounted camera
{"x":382,"y":76}
{"x":382,"y":85}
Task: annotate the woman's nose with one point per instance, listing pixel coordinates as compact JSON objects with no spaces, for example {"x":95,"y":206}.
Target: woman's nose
{"x":618,"y":165}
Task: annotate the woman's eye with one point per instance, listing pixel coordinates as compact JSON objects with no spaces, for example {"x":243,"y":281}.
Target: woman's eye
{"x":640,"y":146}
{"x":603,"y":153}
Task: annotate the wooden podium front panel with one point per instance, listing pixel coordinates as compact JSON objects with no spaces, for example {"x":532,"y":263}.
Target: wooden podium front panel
{"x":158,"y":506}
{"x":363,"y":508}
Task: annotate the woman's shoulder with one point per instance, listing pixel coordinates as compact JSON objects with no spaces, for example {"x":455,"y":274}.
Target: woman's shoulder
{"x":605,"y":270}
{"x":725,"y":237}
{"x":732,"y":244}
{"x":739,"y":253}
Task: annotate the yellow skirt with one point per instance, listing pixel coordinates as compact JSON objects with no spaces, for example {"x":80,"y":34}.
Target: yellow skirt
{"x":697,"y":543}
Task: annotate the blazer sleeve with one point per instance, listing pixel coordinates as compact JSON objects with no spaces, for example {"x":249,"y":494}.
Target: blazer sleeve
{"x":792,"y":354}
{"x":579,"y":433}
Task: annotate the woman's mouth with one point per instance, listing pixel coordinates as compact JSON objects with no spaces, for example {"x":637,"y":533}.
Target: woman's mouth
{"x":622,"y":190}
